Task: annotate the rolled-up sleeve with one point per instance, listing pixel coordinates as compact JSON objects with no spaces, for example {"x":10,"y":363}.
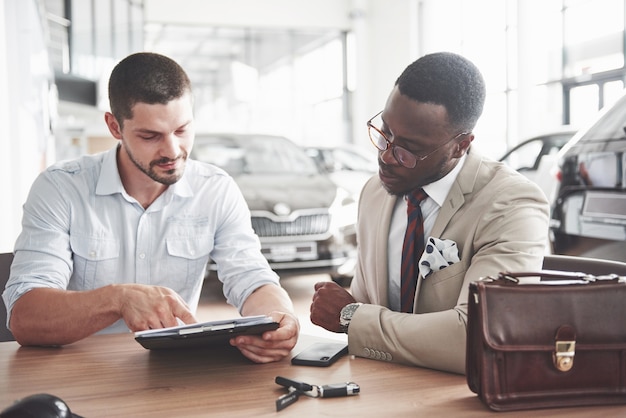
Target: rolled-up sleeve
{"x":42,"y":253}
{"x":237,"y":251}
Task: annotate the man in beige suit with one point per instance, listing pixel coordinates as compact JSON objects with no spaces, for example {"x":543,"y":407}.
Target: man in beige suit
{"x":479,"y":217}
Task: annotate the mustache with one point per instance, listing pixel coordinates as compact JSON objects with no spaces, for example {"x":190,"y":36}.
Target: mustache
{"x":166,"y":160}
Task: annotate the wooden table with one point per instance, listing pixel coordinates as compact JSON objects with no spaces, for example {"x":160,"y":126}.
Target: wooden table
{"x":113,"y":376}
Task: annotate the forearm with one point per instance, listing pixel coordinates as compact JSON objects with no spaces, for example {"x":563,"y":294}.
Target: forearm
{"x":46,"y":316}
{"x":267,"y":298}
{"x":435,"y":340}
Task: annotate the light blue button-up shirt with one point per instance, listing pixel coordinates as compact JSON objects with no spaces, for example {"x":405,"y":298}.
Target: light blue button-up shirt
{"x":81,"y":231}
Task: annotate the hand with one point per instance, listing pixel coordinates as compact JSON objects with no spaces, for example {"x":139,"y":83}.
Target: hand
{"x":149,"y":307}
{"x":272,"y":345}
{"x":328,"y":300}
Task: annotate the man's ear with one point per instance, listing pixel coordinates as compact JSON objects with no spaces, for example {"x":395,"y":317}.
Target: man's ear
{"x":113,"y":126}
{"x":463,"y":145}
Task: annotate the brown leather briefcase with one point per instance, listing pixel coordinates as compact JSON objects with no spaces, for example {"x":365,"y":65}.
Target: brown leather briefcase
{"x":555,"y":342}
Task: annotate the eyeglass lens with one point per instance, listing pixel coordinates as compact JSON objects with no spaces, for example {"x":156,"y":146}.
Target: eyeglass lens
{"x":404,"y":157}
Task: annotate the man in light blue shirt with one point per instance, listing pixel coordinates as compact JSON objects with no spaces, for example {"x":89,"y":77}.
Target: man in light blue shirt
{"x":120,"y":240}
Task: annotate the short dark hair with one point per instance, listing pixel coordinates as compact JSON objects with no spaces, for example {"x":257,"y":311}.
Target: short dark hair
{"x":147,"y":78}
{"x":446,"y":79}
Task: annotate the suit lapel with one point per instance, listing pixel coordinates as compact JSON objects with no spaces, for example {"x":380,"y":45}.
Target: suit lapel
{"x":463,"y":185}
{"x":388,"y":205}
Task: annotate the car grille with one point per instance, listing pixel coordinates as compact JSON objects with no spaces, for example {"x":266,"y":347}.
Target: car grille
{"x":303,"y":225}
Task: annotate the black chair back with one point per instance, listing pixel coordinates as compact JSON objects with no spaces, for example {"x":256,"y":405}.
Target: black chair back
{"x":5,"y":268}
{"x":595,"y":266}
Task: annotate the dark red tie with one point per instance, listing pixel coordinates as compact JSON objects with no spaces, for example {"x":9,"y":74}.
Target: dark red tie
{"x":412,"y":249}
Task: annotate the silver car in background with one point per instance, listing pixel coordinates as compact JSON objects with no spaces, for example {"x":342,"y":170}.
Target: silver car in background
{"x":305,"y":222}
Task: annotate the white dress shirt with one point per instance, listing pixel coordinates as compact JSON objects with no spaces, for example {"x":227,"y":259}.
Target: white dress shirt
{"x":81,"y":231}
{"x":437,"y":192}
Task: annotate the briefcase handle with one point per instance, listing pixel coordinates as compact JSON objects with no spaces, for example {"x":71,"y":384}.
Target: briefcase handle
{"x":561,"y":277}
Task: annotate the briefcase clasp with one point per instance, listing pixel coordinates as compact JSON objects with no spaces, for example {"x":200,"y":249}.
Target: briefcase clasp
{"x":563,"y":356}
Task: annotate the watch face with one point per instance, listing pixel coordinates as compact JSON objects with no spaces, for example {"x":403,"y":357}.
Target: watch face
{"x":346,"y":315}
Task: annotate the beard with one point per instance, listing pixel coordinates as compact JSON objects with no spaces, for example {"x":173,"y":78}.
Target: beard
{"x":438,"y":170}
{"x":168,"y":177}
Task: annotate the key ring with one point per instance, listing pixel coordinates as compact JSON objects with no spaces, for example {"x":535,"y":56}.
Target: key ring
{"x":297,"y":388}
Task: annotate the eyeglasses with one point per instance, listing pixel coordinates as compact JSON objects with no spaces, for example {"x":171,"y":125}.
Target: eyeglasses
{"x":405,"y":157}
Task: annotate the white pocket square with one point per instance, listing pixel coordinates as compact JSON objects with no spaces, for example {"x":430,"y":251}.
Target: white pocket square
{"x":438,"y":254}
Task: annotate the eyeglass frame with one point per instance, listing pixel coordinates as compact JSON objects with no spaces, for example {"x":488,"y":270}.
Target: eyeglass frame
{"x":393,"y":146}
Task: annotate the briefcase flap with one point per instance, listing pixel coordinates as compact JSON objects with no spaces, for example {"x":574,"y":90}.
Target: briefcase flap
{"x":528,"y":317}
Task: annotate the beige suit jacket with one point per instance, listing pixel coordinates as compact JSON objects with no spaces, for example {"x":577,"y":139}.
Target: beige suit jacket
{"x":499,"y":220}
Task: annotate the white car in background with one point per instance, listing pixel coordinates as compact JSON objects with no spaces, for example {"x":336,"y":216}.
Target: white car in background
{"x":536,"y":157}
{"x":588,"y":216}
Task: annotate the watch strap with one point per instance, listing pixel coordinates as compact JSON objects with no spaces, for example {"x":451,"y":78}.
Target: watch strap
{"x":347,"y":312}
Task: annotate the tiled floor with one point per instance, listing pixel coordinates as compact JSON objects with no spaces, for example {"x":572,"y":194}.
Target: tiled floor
{"x":213,"y":305}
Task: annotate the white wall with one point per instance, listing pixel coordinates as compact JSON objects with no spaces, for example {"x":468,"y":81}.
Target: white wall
{"x":24,"y":111}
{"x":386,"y":43}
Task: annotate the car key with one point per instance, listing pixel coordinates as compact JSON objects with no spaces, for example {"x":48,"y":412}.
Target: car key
{"x":300,"y":386}
{"x":297,"y":388}
{"x":338,"y":389}
{"x":287,"y":399}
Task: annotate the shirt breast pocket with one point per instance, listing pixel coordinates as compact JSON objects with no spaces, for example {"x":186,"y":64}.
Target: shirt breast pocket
{"x":96,"y":261}
{"x":188,"y":256}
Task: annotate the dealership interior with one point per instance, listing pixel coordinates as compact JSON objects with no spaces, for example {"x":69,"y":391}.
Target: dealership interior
{"x":311,"y":71}
{"x":315,"y":72}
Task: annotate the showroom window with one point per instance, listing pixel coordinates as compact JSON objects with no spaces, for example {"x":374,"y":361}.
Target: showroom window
{"x":88,"y":37}
{"x":593,"y":50}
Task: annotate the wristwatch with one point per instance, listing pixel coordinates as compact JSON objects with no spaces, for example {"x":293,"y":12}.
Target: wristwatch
{"x":346,"y":315}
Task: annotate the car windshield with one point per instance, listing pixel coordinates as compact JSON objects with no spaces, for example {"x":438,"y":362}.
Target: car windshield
{"x":595,"y":157}
{"x":253,"y":155}
{"x":611,"y":126}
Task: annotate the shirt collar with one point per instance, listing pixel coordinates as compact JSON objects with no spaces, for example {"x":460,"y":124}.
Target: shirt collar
{"x":109,"y":181}
{"x":438,"y":190}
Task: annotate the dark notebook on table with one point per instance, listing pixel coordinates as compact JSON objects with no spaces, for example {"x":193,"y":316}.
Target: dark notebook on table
{"x":204,"y":334}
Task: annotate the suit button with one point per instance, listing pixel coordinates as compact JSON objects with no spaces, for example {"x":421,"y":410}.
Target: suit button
{"x":366,"y":352}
